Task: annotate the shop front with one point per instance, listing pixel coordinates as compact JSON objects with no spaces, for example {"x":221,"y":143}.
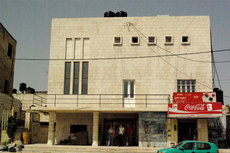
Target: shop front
{"x":114,"y":122}
{"x":188,"y":116}
{"x":144,"y":129}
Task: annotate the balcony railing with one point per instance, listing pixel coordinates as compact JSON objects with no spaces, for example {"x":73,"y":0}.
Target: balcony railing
{"x":102,"y":100}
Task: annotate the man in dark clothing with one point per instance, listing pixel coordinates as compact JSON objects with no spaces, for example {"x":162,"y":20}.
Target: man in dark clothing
{"x":128,"y":135}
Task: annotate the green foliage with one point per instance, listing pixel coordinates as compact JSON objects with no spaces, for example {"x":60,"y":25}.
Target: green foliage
{"x":11,"y":127}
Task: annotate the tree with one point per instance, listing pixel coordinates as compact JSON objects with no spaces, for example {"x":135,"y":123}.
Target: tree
{"x":11,"y":127}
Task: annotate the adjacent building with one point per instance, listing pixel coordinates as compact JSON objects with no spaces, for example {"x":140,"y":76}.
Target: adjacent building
{"x":37,"y":122}
{"x":7,"y":54}
{"x":7,"y":61}
{"x":124,"y":70}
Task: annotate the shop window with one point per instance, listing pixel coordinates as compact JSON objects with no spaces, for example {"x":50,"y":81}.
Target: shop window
{"x":117,"y":41}
{"x":186,"y":85}
{"x":135,"y":40}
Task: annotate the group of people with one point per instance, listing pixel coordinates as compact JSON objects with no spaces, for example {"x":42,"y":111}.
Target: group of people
{"x":120,"y":133}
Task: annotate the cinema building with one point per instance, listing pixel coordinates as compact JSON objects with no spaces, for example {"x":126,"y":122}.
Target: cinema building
{"x":139,"y":71}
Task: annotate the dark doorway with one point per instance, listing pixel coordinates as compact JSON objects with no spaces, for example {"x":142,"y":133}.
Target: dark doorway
{"x":187,"y":130}
{"x":115,"y":123}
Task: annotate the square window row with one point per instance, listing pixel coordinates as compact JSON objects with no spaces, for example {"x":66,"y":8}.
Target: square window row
{"x":152,"y":40}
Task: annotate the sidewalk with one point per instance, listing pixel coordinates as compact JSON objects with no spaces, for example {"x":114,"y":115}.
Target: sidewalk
{"x":43,"y":148}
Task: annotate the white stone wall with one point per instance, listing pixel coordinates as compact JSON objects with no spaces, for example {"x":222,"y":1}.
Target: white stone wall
{"x":152,"y":75}
{"x":64,"y":120}
{"x":29,"y":99}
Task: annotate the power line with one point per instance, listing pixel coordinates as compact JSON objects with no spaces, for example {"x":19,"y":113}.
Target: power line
{"x":173,"y":53}
{"x":226,"y":96}
{"x":188,"y":59}
{"x":127,"y":57}
{"x":215,"y":69}
{"x":178,"y":55}
{"x":167,"y":61}
{"x":225,"y":80}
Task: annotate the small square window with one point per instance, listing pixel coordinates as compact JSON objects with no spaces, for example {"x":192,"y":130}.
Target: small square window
{"x":152,"y":40}
{"x":117,"y":40}
{"x":185,"y":40}
{"x":168,"y":40}
{"x":135,"y":40}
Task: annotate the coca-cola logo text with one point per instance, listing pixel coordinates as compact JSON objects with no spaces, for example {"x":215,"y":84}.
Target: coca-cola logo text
{"x":198,"y":107}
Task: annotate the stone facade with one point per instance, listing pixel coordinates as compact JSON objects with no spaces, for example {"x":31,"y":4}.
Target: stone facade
{"x":7,"y":55}
{"x":151,"y":75}
{"x":118,"y":51}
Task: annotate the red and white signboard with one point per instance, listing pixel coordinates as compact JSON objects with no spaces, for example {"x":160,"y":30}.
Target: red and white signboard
{"x":195,"y":110}
{"x":195,"y":105}
{"x":194,"y":97}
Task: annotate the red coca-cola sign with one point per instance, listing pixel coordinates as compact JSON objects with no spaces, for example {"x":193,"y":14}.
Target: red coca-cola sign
{"x":196,"y":107}
{"x":195,"y":110}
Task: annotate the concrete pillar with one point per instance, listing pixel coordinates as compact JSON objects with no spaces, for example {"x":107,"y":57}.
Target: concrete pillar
{"x":95,"y":128}
{"x":172,"y":131}
{"x":202,"y":127}
{"x":28,"y":121}
{"x":51,"y":131}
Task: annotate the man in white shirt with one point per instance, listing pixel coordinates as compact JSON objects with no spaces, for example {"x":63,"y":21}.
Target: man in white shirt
{"x":121,"y":134}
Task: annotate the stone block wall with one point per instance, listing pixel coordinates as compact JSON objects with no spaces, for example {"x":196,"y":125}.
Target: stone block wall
{"x":151,"y":75}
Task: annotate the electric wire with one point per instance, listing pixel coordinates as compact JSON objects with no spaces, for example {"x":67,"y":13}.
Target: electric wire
{"x":157,"y":55}
{"x":215,"y":69}
{"x":127,"y":57}
{"x":141,"y":36}
{"x":180,"y":57}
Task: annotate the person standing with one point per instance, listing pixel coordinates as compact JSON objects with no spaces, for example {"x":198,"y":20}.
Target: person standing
{"x":110,"y":135}
{"x":128,"y":135}
{"x":120,"y":135}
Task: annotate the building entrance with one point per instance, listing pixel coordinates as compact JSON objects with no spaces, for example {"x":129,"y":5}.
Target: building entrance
{"x":187,"y":129}
{"x":130,"y":139}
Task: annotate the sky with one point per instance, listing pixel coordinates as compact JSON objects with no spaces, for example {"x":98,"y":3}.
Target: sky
{"x":29,"y":22}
